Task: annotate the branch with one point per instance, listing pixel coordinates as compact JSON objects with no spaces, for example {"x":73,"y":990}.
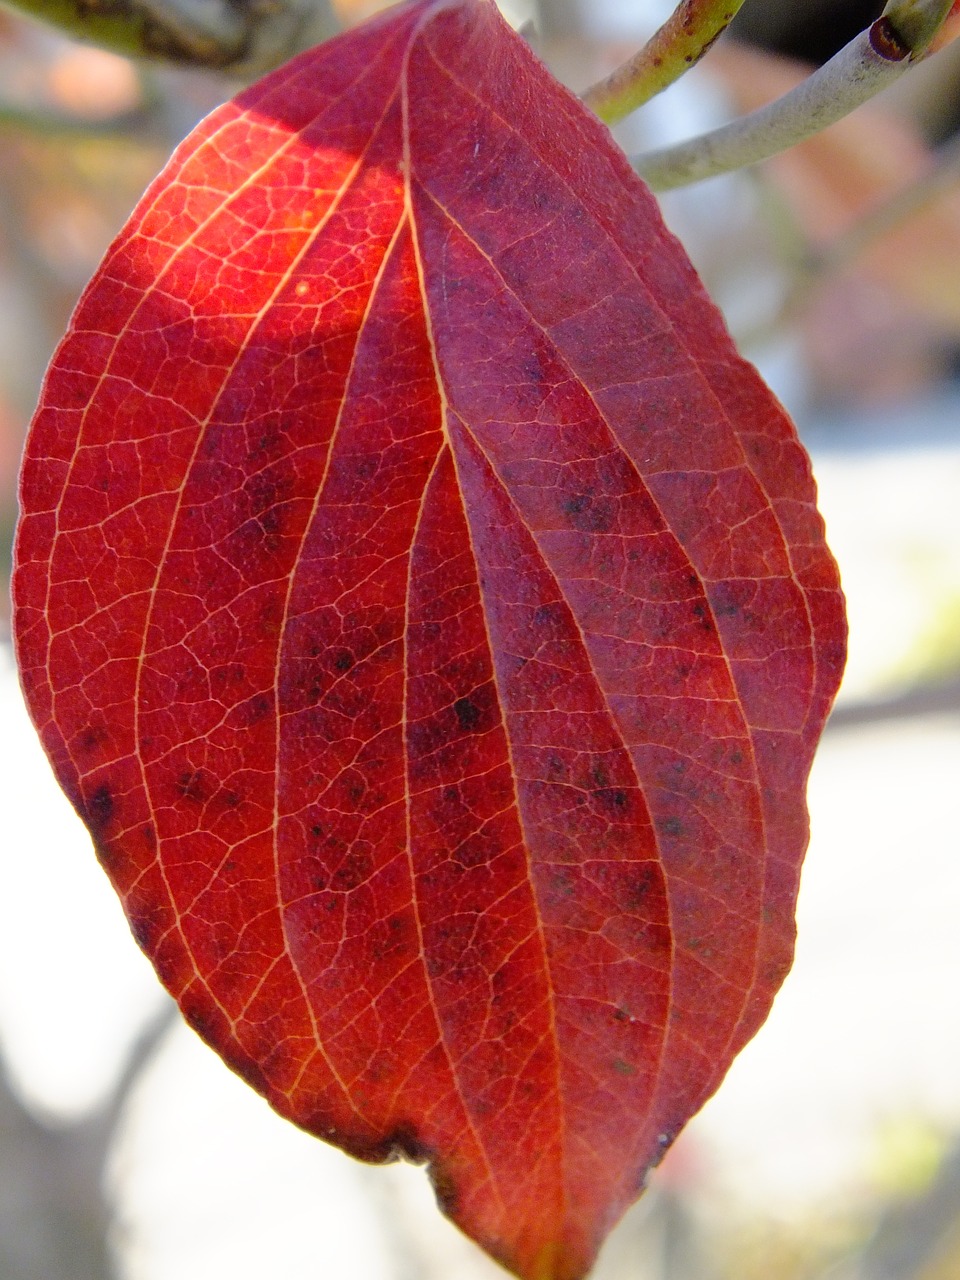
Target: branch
{"x":886,"y":217}
{"x":936,"y":697}
{"x":53,"y":124}
{"x":875,"y":59}
{"x":243,"y":38}
{"x":678,"y":45}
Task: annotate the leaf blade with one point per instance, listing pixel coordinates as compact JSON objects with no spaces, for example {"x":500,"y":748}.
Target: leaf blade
{"x":439,"y":684}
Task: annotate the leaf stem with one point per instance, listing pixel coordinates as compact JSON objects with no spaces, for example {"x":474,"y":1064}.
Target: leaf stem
{"x":874,"y":59}
{"x":677,"y":46}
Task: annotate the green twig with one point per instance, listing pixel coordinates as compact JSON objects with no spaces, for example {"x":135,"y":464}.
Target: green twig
{"x":917,"y":22}
{"x":678,"y":45}
{"x":875,"y":59}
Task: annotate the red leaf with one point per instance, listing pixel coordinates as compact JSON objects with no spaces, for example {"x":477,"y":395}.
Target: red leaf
{"x":428,"y":613}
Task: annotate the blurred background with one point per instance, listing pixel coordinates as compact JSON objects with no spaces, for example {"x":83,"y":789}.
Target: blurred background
{"x":832,"y":1151}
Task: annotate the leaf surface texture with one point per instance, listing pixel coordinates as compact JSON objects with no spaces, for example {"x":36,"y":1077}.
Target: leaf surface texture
{"x":428,"y":612}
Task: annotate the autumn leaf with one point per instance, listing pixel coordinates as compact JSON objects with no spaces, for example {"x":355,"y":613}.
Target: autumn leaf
{"x":428,"y":613}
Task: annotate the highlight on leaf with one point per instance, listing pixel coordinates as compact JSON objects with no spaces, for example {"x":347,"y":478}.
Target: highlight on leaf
{"x":427,"y":610}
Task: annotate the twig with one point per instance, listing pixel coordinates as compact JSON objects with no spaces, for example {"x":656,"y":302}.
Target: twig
{"x":242,"y":38}
{"x":889,"y":215}
{"x":811,"y":266}
{"x":142,"y":1052}
{"x":938,"y":697}
{"x":872,"y":61}
{"x":52,"y":124}
{"x":677,"y":46}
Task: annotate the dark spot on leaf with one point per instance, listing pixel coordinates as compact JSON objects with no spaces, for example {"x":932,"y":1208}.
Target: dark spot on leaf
{"x":144,"y":930}
{"x":258,"y":707}
{"x":614,"y":799}
{"x":534,"y":371}
{"x":701,"y":611}
{"x":192,"y":785}
{"x":91,"y":738}
{"x":395,"y":940}
{"x":356,"y":867}
{"x":344,"y":661}
{"x":404,"y":1143}
{"x":100,"y":807}
{"x":476,"y":850}
{"x":551,"y":619}
{"x":448,"y":1198}
{"x":671,"y":827}
{"x":271,"y":526}
{"x":639,"y":887}
{"x":589,"y":513}
{"x":468,"y":714}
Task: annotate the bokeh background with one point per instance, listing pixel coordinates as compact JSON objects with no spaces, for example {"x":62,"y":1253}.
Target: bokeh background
{"x":832,"y":1152}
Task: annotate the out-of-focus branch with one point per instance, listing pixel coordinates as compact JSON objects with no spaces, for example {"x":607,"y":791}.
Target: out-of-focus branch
{"x":869,"y":63}
{"x":55,"y":1221}
{"x":677,"y":46}
{"x":55,"y":124}
{"x":812,"y":267}
{"x":933,"y":698}
{"x":242,"y":38}
{"x":915,"y":1237}
{"x":895,"y":211}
